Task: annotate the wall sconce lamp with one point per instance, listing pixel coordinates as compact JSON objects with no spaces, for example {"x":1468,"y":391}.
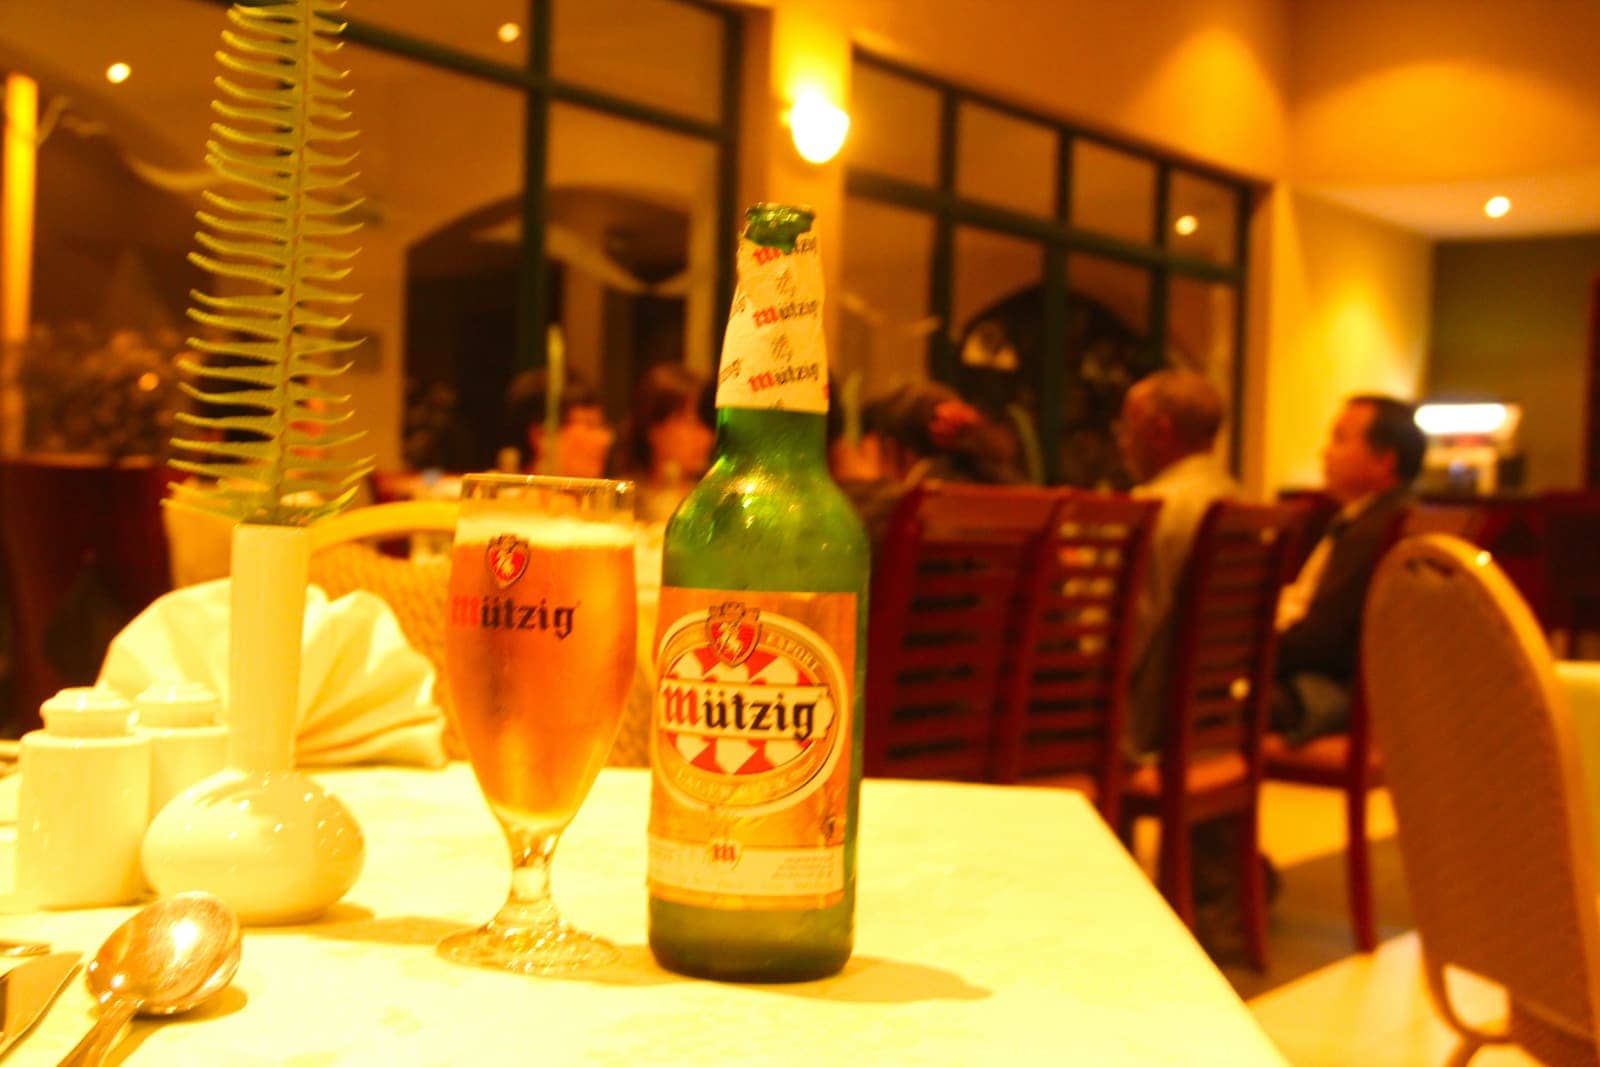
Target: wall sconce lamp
{"x":817,"y":126}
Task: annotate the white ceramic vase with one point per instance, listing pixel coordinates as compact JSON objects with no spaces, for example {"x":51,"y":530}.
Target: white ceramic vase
{"x":266,"y":839}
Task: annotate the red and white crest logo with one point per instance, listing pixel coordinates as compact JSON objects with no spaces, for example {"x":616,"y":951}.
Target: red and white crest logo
{"x":733,"y":631}
{"x":507,"y":558}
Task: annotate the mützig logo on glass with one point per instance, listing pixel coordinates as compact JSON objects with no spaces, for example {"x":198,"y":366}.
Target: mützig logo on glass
{"x":506,"y":558}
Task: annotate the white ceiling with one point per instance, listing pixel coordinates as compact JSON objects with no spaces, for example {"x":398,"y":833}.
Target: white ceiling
{"x":1541,"y":205}
{"x":171,"y":48}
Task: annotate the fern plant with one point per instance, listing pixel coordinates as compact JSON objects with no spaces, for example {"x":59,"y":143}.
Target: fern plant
{"x":276,"y":243}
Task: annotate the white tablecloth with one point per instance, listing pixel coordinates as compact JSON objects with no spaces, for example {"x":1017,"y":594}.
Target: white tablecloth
{"x":1581,"y":680}
{"x":995,"y":925}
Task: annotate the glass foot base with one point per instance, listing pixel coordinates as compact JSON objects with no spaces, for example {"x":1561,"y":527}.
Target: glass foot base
{"x":553,"y":949}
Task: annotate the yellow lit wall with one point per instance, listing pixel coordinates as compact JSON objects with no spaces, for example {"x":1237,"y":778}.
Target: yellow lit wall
{"x":1347,"y":312}
{"x":1206,"y":78}
{"x":1393,"y":91}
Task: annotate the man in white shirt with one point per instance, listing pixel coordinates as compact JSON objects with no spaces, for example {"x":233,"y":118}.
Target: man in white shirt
{"x":1374,"y":451}
{"x":1167,"y":435}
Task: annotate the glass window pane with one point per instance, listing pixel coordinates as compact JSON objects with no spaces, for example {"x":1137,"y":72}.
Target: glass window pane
{"x":657,"y":52}
{"x":1108,"y":309}
{"x":633,"y":236}
{"x":1201,"y":334}
{"x":1006,"y":160}
{"x":883,"y":299}
{"x":1113,"y":192}
{"x":894,"y":126}
{"x":1201,"y":218}
{"x":438,"y":267}
{"x":491,"y":29}
{"x":997,"y":323}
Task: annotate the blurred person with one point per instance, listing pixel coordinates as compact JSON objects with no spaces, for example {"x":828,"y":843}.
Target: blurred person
{"x":849,"y":461}
{"x":1167,"y":436}
{"x":1373,"y":454}
{"x":920,"y":431}
{"x":583,"y":439}
{"x":666,"y":445}
{"x":927,"y":430}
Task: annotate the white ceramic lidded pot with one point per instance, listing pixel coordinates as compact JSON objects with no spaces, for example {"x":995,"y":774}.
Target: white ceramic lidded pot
{"x":83,"y":803}
{"x":187,"y":743}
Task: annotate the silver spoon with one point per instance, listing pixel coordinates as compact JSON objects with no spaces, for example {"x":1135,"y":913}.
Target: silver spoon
{"x":169,"y":957}
{"x":23,"y":948}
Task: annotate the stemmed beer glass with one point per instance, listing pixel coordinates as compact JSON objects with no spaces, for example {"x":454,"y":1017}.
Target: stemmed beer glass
{"x":539,"y":650}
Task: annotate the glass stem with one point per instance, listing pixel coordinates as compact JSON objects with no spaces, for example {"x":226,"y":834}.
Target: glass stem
{"x":530,"y":903}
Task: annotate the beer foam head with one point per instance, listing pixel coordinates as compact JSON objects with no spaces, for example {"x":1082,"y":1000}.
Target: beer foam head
{"x":545,"y":531}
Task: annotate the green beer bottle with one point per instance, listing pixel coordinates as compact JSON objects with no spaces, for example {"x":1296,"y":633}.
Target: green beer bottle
{"x":756,"y":740}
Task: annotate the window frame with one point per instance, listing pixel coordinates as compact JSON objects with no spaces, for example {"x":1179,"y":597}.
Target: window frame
{"x":541,"y":89}
{"x":1058,"y":237}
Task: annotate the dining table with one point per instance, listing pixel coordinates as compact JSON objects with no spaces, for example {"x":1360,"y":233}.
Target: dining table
{"x":994,"y":924}
{"x":1580,"y":681}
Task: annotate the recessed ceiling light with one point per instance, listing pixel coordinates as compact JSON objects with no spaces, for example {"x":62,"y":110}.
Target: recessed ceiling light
{"x":118,"y":72}
{"x":508,"y":32}
{"x":1185,"y":225}
{"x":1496,"y":206}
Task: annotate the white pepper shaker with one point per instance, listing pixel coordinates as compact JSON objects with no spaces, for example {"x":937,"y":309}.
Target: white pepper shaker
{"x":186,"y":741}
{"x":83,"y":803}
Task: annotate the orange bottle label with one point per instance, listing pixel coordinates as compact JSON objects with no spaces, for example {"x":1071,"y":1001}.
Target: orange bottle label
{"x":750,"y":748}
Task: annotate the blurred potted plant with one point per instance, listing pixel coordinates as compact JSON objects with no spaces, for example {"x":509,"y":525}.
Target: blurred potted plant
{"x":100,"y":392}
{"x":268,"y":840}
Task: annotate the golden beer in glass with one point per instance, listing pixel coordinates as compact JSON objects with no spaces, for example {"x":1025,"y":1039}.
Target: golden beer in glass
{"x":539,"y":650}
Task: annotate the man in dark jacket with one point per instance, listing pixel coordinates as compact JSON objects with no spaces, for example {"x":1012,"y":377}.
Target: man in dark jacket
{"x":1374,"y":452}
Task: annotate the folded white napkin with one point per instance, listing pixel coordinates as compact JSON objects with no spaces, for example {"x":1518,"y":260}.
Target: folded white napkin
{"x":366,"y":696}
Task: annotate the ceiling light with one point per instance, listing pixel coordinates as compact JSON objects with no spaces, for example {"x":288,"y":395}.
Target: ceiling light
{"x":817,"y":126}
{"x":118,"y":72}
{"x":1496,"y":206}
{"x":508,"y":32}
{"x":1185,"y":225}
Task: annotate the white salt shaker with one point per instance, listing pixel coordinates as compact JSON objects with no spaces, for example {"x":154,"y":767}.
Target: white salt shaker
{"x":83,"y":803}
{"x":186,"y":741}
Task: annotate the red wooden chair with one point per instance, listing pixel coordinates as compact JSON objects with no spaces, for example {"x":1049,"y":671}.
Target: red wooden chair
{"x":944,"y":595}
{"x":1067,"y":689}
{"x":1210,"y":764}
{"x":1350,"y":763}
{"x":1571,"y":568}
{"x":84,"y":552}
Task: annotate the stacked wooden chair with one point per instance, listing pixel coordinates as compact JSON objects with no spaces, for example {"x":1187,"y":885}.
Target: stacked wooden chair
{"x":946,"y":583}
{"x":1210,"y":763}
{"x":1065,"y":693}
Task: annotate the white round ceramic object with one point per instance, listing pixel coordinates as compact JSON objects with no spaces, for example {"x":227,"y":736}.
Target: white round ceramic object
{"x":274,"y":845}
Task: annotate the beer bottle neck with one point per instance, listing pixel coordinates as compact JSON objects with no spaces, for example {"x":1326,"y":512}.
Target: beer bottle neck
{"x":780,"y":439}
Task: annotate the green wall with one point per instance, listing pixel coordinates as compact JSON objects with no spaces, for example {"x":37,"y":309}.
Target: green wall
{"x":1511,"y":322}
